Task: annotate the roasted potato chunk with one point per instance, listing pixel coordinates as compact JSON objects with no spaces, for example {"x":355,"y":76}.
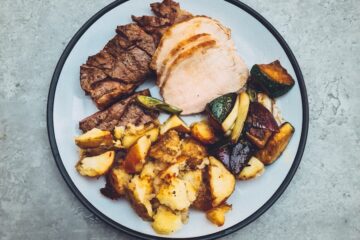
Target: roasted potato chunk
{"x":166,"y":221}
{"x":119,"y":179}
{"x":129,"y":140}
{"x":221,"y":182}
{"x":174,"y":194}
{"x":217,"y":215}
{"x":174,"y":122}
{"x":193,"y":152}
{"x":276,"y":144}
{"x":166,"y":148}
{"x":203,"y":132}
{"x":254,"y":169}
{"x":135,"y":158}
{"x":94,"y":138}
{"x":173,"y":170}
{"x":140,"y":193}
{"x":97,"y":165}
{"x":193,"y":181}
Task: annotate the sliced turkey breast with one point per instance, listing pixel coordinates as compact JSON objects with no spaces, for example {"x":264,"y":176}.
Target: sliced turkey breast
{"x":178,"y":49}
{"x":201,"y":74}
{"x":184,"y":30}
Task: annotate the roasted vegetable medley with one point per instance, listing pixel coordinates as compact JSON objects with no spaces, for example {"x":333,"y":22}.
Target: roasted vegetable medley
{"x":166,"y":169}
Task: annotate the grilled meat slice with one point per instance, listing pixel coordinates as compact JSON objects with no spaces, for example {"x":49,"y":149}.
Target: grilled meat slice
{"x":123,"y":64}
{"x":155,"y":26}
{"x":120,"y":113}
{"x":170,"y":10}
{"x":167,"y":13}
{"x":120,"y":67}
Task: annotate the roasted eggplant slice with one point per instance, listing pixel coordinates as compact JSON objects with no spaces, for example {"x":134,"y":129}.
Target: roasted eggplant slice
{"x":258,"y":136}
{"x":260,"y":117}
{"x":240,"y":155}
{"x":222,"y":151}
{"x":222,"y":111}
{"x":272,"y":78}
{"x":276,"y":144}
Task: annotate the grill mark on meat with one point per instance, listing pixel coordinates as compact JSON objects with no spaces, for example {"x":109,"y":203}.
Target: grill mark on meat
{"x":119,"y":114}
{"x":107,"y":92}
{"x":135,"y":35}
{"x":201,"y":47}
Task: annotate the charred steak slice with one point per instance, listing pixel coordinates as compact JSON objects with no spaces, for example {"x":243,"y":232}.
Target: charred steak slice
{"x":119,"y":114}
{"x":123,"y":64}
{"x":119,"y":68}
{"x":167,"y":13}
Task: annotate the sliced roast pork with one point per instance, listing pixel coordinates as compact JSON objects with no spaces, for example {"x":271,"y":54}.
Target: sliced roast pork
{"x":184,"y":30}
{"x":205,"y":74}
{"x":191,"y":70}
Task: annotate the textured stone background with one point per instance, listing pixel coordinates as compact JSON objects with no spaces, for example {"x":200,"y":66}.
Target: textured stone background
{"x":323,"y":200}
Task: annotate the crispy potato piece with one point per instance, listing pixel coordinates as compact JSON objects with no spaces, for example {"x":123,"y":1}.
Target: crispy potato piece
{"x":166,"y":148}
{"x":174,"y":122}
{"x":173,"y":170}
{"x":203,"y":132}
{"x":254,"y":169}
{"x":193,"y":152}
{"x":94,"y":138}
{"x":276,"y":144}
{"x":135,"y":158}
{"x":140,"y":193}
{"x":166,"y":221}
{"x":129,"y":140}
{"x":217,"y":215}
{"x":119,"y":179}
{"x":221,"y":182}
{"x":174,"y":194}
{"x":149,"y":170}
{"x":119,"y":132}
{"x":97,"y":165}
{"x":193,"y":181}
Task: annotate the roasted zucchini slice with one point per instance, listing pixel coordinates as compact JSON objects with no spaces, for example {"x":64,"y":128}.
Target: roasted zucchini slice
{"x":272,"y":78}
{"x":244,"y":102}
{"x":156,"y":104}
{"x":222,"y":111}
{"x":276,"y":144}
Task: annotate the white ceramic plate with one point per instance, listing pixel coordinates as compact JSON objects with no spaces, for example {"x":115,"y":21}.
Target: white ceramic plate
{"x":257,"y":42}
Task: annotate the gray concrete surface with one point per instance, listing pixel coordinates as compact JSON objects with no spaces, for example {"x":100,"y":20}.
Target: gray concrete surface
{"x":323,"y":200}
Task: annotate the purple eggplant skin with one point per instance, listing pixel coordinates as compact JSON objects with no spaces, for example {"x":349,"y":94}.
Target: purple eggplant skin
{"x":241,"y":153}
{"x":260,"y":117}
{"x":221,"y":150}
